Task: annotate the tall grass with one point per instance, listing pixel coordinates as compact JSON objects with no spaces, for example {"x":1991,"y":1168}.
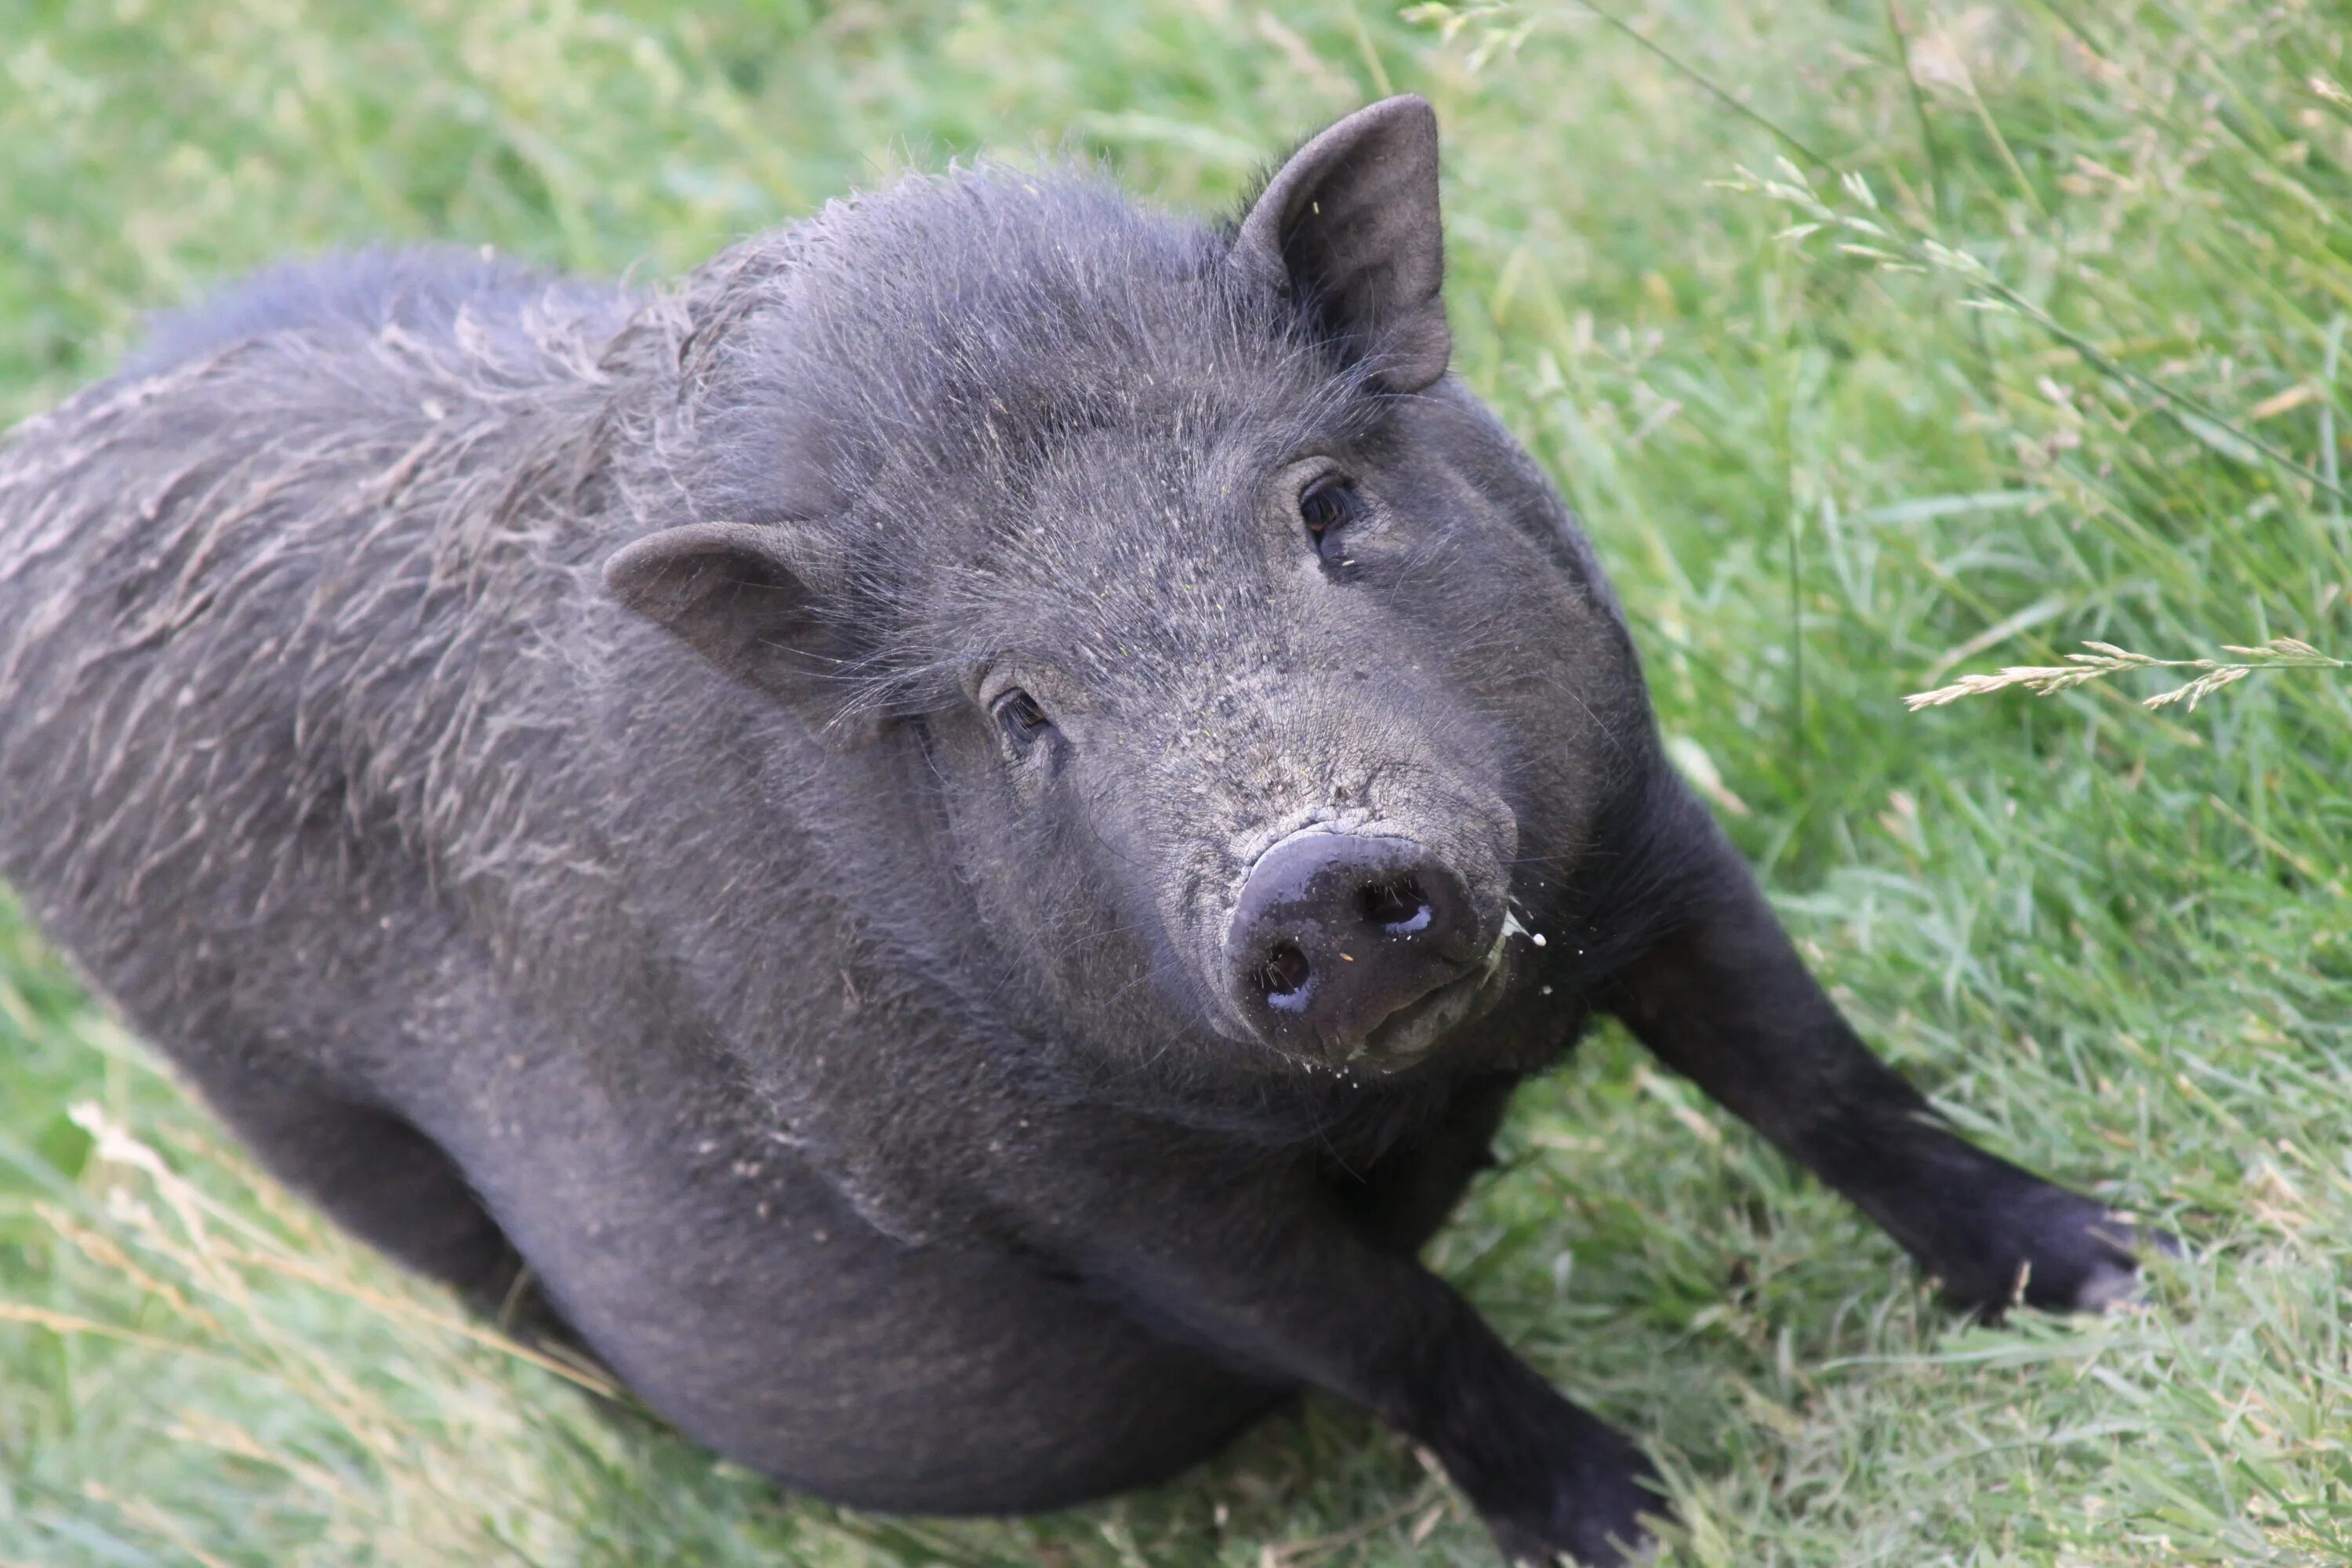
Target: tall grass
{"x":1877,"y":343}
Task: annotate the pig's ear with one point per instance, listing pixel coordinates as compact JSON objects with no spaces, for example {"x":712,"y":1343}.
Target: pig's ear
{"x":1349,"y":225}
{"x":743,"y":597}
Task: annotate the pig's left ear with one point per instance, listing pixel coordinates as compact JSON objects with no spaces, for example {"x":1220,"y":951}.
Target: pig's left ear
{"x":745,"y":598}
{"x":1350,"y":226}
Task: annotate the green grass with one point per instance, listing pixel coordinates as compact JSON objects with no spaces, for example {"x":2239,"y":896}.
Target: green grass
{"x":2083,"y":379}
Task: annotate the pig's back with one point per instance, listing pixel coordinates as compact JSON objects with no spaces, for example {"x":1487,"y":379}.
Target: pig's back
{"x":276,"y":599}
{"x":430,"y":293}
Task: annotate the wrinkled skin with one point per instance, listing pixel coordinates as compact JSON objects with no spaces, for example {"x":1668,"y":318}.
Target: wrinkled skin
{"x":958,"y":832}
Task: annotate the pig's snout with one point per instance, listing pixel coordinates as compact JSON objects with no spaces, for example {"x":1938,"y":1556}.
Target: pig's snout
{"x":1346,"y":945}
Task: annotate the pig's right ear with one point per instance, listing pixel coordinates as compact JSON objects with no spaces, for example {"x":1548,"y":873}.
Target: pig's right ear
{"x":743,"y":597}
{"x":1350,"y":226}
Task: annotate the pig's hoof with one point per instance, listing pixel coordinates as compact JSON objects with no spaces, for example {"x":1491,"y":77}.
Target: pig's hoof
{"x":2066,"y":1253}
{"x":1583,"y":1542}
{"x":2114,"y":1280}
{"x":1593,"y":1519}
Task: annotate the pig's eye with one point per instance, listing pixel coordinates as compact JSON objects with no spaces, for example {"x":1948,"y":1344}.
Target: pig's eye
{"x":1022,"y":719}
{"x":1326,"y":506}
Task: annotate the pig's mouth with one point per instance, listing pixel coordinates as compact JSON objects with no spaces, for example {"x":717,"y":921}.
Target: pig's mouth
{"x":1413,"y":1032}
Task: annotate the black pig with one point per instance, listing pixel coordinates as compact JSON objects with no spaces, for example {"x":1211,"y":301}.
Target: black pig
{"x":956,"y":832}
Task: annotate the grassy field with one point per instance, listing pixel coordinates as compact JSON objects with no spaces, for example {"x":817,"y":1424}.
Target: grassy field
{"x":1876,"y":343}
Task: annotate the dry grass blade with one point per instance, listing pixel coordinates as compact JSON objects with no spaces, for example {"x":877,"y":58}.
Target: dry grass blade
{"x":2107,"y":659}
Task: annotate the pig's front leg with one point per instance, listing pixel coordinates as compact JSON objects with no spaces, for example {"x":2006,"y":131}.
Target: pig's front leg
{"x":1269,"y":1274}
{"x":1724,"y":999}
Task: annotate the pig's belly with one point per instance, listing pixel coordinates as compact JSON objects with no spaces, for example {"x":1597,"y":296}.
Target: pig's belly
{"x":768,"y":1321}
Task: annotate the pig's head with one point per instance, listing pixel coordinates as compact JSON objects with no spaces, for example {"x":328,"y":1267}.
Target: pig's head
{"x":1267,"y":702}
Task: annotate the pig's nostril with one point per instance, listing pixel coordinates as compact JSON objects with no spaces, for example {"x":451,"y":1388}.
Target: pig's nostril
{"x":1286,"y":977}
{"x":1396,"y":904}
